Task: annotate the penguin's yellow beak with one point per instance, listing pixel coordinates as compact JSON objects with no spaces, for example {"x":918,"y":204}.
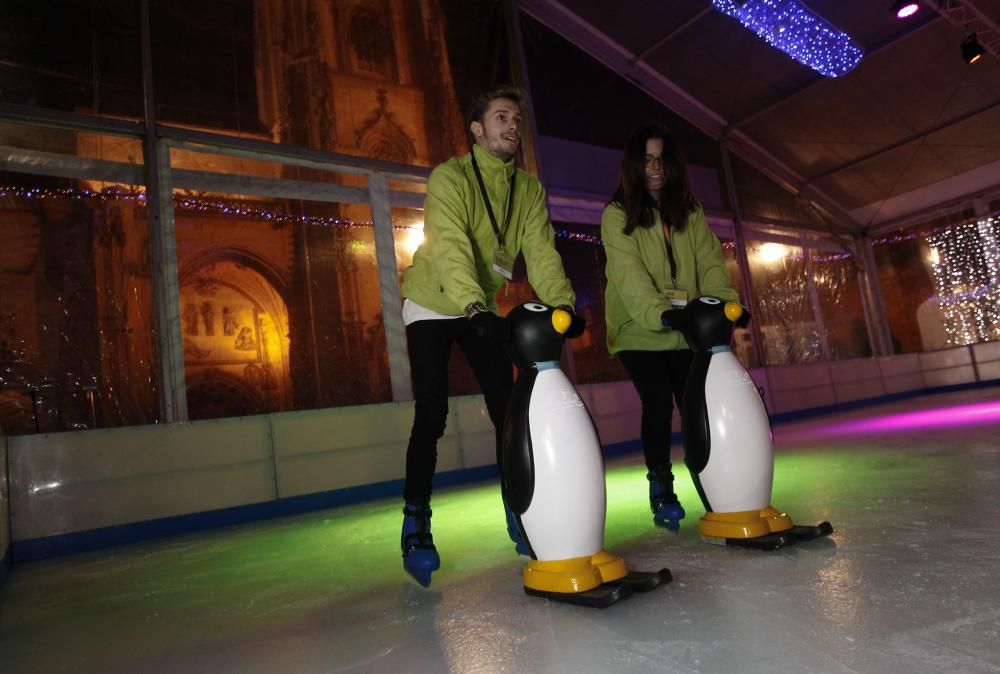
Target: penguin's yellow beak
{"x":561,"y":320}
{"x":733,"y":311}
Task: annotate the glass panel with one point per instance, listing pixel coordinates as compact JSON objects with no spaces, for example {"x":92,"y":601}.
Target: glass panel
{"x":584,"y":261}
{"x":786,"y":322}
{"x":368,"y":78}
{"x":80,"y":56}
{"x":836,"y":280}
{"x":280,"y":305}
{"x":77,"y":143}
{"x":76,"y":326}
{"x":742,"y":340}
{"x":204,"y":73}
{"x":904,"y":273}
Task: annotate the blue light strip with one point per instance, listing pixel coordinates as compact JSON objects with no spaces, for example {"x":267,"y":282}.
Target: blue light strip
{"x":794,"y":29}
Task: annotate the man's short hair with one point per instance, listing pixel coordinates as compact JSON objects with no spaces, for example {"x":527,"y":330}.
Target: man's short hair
{"x":479,"y":105}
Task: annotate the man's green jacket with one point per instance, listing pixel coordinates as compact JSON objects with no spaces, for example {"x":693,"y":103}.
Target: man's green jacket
{"x":454,"y":265}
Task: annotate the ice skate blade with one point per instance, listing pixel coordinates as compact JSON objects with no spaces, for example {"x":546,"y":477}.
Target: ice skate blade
{"x":601,"y":596}
{"x":669,"y":525}
{"x":420,"y":564}
{"x":773,"y":541}
{"x":422,"y":576}
{"x":644,"y":581}
{"x":803,"y":532}
{"x":767,"y":542}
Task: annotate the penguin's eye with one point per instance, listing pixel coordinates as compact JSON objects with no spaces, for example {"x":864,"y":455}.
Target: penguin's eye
{"x":534,"y":306}
{"x":710,"y":300}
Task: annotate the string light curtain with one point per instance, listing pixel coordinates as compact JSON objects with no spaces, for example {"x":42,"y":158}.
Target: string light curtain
{"x":965,"y":264}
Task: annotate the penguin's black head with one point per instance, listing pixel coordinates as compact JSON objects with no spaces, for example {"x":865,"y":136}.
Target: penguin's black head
{"x":536,"y":333}
{"x":709,"y":321}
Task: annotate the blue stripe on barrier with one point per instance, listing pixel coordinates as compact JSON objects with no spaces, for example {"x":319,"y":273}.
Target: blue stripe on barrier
{"x":92,"y":539}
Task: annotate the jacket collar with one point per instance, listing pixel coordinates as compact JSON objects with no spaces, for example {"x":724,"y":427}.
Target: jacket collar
{"x":490,"y":164}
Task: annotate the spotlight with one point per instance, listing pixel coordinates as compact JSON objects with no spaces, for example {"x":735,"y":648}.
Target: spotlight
{"x":972,"y":51}
{"x":904,"y":9}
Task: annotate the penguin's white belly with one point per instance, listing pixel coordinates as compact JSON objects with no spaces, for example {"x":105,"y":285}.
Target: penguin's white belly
{"x":741,"y":464}
{"x":566,"y":516}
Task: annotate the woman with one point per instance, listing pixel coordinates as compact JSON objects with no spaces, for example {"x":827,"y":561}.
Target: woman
{"x":661,"y":255}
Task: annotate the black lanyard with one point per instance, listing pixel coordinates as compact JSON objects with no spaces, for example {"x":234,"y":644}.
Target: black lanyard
{"x":486,"y":200}
{"x":670,"y":255}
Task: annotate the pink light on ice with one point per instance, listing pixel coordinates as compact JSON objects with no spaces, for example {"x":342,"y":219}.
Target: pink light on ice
{"x":941,"y":417}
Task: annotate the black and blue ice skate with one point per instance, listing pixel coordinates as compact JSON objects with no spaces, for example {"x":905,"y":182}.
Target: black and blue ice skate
{"x":420,"y":557}
{"x":667,"y":510}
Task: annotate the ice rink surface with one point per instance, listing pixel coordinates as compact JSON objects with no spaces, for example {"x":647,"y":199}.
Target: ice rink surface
{"x":907,"y":583}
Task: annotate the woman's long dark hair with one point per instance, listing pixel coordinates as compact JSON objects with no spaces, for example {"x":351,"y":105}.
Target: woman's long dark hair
{"x":676,"y":202}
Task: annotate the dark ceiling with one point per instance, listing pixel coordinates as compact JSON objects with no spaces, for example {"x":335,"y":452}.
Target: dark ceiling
{"x":911,"y":129}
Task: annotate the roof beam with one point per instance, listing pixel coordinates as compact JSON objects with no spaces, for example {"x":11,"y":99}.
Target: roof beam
{"x":971,"y":19}
{"x":671,"y":35}
{"x":598,"y":45}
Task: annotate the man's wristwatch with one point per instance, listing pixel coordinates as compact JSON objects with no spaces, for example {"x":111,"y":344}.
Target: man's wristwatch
{"x":474,"y":308}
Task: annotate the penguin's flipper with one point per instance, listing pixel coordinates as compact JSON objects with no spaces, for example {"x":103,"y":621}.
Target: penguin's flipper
{"x":803,"y":532}
{"x":517,"y":471}
{"x":697,"y":437}
{"x":644,"y":581}
{"x":601,"y":596}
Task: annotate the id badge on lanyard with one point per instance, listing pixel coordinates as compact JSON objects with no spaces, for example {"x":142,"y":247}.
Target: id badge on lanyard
{"x":678,"y":297}
{"x":503,"y":263}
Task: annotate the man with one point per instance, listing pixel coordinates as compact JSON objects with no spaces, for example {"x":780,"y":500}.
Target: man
{"x":480,"y":213}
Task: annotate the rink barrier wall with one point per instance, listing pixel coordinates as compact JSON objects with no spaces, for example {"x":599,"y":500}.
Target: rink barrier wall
{"x":5,"y":540}
{"x":82,"y":490}
{"x":825,"y":386}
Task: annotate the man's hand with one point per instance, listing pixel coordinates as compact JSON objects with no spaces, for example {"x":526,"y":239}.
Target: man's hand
{"x":486,"y":324}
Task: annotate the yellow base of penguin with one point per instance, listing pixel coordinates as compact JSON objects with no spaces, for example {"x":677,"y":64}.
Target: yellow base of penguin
{"x":717,"y":527}
{"x":577,"y":574}
{"x":612,"y":567}
{"x":765,"y":529}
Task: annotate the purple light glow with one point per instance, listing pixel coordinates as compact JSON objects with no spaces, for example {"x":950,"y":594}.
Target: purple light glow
{"x":942,"y":417}
{"x":907,"y":10}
